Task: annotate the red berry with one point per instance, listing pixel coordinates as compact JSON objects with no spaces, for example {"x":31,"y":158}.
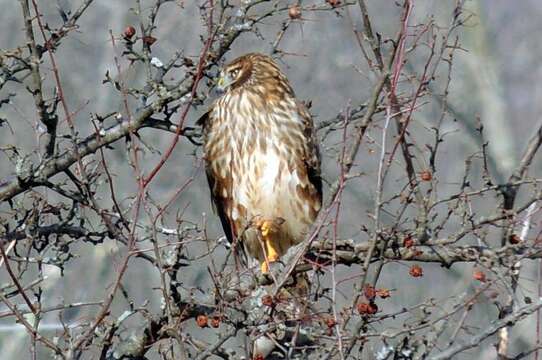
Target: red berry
{"x":367,"y":308}
{"x":201,"y":320}
{"x":129,"y":32}
{"x":267,"y":300}
{"x":408,"y":242}
{"x":334,"y":3}
{"x":294,"y":12}
{"x":215,"y":321}
{"x":515,"y":239}
{"x":416,"y":271}
{"x":369,"y":292}
{"x":479,"y":275}
{"x":426,"y":175}
{"x":330,"y":322}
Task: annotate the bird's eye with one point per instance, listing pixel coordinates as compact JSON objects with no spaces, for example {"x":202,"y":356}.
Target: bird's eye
{"x":234,"y":73}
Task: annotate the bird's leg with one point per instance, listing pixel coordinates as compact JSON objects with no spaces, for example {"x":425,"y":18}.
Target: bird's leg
{"x":270,"y":254}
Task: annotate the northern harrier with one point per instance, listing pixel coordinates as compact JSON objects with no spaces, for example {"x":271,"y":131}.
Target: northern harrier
{"x":263,"y":164}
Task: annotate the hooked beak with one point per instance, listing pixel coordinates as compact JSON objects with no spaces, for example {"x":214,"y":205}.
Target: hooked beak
{"x":223,"y":82}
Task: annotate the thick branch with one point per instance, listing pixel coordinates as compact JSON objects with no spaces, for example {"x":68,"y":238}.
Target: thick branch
{"x":13,"y":186}
{"x":349,"y":253}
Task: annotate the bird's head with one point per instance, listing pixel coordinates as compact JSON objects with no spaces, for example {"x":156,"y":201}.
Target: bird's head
{"x":252,"y":71}
{"x":234,"y":74}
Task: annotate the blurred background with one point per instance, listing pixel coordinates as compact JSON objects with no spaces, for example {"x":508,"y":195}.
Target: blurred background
{"x":495,"y":78}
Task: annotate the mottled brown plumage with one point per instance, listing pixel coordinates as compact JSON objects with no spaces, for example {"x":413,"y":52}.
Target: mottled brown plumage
{"x":262,"y":158}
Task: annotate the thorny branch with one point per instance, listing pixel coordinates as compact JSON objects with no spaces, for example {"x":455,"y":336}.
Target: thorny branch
{"x":344,"y":292}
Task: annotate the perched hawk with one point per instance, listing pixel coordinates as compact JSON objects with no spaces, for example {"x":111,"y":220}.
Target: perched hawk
{"x":262,"y":157}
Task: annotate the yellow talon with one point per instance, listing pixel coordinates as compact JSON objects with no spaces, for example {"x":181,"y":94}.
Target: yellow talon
{"x":264,"y":267}
{"x":271,"y":254}
{"x":265,"y":228}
